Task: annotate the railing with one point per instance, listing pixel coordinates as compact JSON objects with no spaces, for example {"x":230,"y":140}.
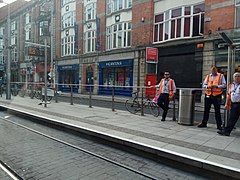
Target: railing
{"x":91,"y":94}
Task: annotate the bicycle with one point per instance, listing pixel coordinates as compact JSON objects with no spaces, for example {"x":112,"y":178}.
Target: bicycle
{"x":133,"y":105}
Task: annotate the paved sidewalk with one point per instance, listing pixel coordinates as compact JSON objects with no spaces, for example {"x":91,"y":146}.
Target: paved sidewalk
{"x":202,"y":148}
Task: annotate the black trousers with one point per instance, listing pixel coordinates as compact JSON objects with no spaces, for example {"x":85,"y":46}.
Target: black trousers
{"x":216,"y":101}
{"x":163,"y":102}
{"x":234,"y":115}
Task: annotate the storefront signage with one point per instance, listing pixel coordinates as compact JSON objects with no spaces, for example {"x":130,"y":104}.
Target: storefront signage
{"x":117,"y":63}
{"x":121,"y":63}
{"x":68,"y":67}
{"x":151,"y":54}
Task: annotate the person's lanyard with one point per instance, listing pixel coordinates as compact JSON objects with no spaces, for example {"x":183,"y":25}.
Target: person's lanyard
{"x":235,"y":88}
{"x":165,"y":84}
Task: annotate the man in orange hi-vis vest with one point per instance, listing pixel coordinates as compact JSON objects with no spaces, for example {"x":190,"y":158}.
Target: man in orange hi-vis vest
{"x":214,"y":84}
{"x":166,"y":91}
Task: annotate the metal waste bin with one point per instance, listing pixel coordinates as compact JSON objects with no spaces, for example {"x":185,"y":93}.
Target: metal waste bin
{"x":186,"y":106}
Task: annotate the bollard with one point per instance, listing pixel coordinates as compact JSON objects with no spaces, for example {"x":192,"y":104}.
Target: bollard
{"x":112,"y":98}
{"x":142,"y":109}
{"x":1,"y":90}
{"x":32,"y":95}
{"x":90,"y":97}
{"x":56,"y":94}
{"x":174,"y":109}
{"x":71,"y":95}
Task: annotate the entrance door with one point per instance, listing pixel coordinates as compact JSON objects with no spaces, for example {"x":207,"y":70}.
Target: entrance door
{"x":89,"y":79}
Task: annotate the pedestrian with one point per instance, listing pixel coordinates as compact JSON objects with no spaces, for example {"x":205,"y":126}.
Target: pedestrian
{"x":232,"y":104}
{"x":214,"y":84}
{"x":166,"y":91}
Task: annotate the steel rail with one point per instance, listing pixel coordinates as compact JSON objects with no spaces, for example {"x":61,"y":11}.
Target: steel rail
{"x":83,"y":150}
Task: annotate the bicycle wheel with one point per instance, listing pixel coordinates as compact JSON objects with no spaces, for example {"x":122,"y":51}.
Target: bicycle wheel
{"x":132,"y":106}
{"x":49,"y":98}
{"x":38,"y":95}
{"x":154,"y":109}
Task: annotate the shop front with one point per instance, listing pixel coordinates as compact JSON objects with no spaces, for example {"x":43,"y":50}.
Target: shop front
{"x":68,"y":75}
{"x":117,"y":73}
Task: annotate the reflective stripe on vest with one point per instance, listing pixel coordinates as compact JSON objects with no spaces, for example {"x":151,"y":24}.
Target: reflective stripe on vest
{"x":217,"y":81}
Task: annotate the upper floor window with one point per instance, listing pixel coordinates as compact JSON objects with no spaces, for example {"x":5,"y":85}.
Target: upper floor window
{"x":118,"y":35}
{"x":90,"y":11}
{"x":13,"y":55}
{"x":117,"y":5}
{"x":27,"y":32}
{"x":68,"y":45}
{"x":13,"y":26}
{"x":27,"y":18}
{"x":186,"y":21}
{"x":43,"y":28}
{"x":68,"y":19}
{"x":90,"y":41}
{"x":237,"y":5}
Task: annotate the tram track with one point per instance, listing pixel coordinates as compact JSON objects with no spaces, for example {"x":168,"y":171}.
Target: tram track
{"x":145,"y":175}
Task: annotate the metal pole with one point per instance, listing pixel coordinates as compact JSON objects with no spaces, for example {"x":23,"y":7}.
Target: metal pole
{"x":142,"y":108}
{"x":71,"y":94}
{"x":229,"y":72}
{"x":112,"y":98}
{"x":8,"y":88}
{"x":45,"y":74}
{"x":51,"y":71}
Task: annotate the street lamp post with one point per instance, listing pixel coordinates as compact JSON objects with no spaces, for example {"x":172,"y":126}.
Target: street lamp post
{"x":8,"y":64}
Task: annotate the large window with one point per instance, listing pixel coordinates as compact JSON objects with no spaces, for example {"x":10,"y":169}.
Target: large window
{"x":68,"y":19}
{"x":27,"y":33}
{"x":43,"y":28}
{"x":116,"y":76}
{"x":237,"y":4}
{"x":182,"y":22}
{"x":119,"y":35}
{"x":90,"y":11}
{"x":68,"y":45}
{"x":90,"y":41}
{"x":117,"y":5}
{"x":27,"y":18}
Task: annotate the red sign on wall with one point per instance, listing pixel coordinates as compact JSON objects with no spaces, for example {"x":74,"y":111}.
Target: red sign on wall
{"x":151,"y":54}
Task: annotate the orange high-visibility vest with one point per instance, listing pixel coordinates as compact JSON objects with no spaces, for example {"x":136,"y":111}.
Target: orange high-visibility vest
{"x":170,"y":88}
{"x":217,"y":81}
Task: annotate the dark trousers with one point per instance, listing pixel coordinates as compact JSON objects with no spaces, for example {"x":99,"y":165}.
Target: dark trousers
{"x":163,"y":102}
{"x":234,"y":115}
{"x":216,"y":101}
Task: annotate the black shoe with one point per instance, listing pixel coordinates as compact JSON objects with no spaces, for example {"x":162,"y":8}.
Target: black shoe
{"x":220,"y":128}
{"x":223,"y":133}
{"x":202,"y":125}
{"x":163,"y":119}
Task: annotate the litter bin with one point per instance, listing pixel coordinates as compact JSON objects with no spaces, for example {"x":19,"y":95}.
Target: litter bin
{"x":186,"y":106}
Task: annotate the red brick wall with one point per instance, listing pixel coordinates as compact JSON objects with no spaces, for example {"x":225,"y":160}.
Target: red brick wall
{"x":58,"y":28}
{"x":101,"y":8}
{"x":142,"y":31}
{"x":221,"y":18}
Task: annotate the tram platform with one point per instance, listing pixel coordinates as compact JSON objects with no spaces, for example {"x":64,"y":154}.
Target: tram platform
{"x":199,"y":147}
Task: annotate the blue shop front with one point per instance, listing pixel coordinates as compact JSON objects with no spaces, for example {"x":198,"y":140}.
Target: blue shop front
{"x":117,"y":73}
{"x":68,"y":75}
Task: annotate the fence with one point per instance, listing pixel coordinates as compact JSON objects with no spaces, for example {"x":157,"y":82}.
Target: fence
{"x":89,"y":95}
